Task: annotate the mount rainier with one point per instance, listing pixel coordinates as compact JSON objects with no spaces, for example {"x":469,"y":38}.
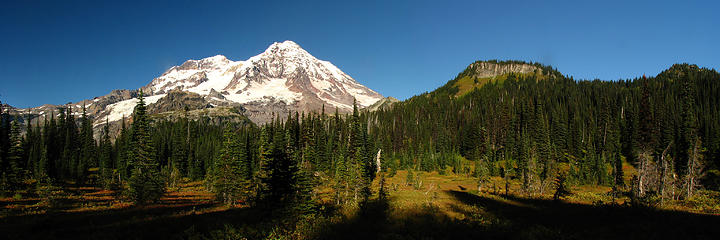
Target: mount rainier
{"x":282,"y":79}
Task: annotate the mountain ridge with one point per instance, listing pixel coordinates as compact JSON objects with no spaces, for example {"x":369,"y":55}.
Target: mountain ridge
{"x":281,"y":79}
{"x":482,"y":72}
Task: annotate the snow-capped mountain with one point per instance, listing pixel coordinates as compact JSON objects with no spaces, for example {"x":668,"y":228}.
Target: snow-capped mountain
{"x":285,"y":74}
{"x":281,"y":79}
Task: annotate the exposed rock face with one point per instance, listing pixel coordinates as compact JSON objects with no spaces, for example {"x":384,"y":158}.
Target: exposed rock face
{"x":177,"y":100}
{"x":490,"y":69}
{"x":217,"y":114}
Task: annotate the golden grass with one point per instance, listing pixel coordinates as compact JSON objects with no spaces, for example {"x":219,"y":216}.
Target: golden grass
{"x":432,"y":191}
{"x":86,"y":199}
{"x":467,"y":83}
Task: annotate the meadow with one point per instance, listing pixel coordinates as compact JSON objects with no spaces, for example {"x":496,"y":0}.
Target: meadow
{"x":426,"y":205}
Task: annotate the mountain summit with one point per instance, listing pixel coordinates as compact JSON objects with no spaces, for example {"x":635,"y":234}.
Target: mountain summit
{"x":283,"y":75}
{"x":281,"y":79}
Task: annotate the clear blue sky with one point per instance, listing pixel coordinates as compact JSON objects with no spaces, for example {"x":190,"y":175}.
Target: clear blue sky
{"x":60,"y":51}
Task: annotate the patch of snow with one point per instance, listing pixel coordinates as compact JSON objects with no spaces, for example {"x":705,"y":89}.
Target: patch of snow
{"x":362,"y":98}
{"x":272,"y":88}
{"x":337,"y":104}
{"x":335,"y":71}
{"x":126,"y":108}
{"x":217,"y":80}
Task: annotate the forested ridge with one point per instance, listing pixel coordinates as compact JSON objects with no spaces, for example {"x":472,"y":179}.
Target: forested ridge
{"x":667,"y":127}
{"x":651,"y":139}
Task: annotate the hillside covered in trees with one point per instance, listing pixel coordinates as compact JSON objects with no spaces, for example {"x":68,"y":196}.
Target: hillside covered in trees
{"x":651,"y":140}
{"x":538,"y":126}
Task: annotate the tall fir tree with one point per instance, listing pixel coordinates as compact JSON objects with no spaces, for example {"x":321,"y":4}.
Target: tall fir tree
{"x":106,"y":155}
{"x":145,"y":184}
{"x":88,"y":157}
{"x":230,"y":179}
{"x":15,"y":173}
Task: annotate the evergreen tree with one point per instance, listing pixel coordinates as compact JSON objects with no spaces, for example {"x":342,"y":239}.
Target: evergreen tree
{"x":70,"y":154}
{"x":106,"y":162}
{"x":179,"y":158}
{"x":231,"y":181}
{"x":145,"y":184}
{"x":88,"y":157}
{"x":33,"y":148}
{"x":122,"y":159}
{"x":15,"y":174}
{"x":44,"y":165}
{"x":51,"y":140}
{"x":688,"y":130}
{"x":278,"y":182}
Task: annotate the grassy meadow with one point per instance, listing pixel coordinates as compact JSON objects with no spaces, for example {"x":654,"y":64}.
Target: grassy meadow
{"x":425,"y":206}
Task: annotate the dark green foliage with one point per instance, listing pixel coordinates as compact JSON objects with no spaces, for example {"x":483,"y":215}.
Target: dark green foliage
{"x":88,"y":157}
{"x":561,"y":190}
{"x":231,"y":176}
{"x":145,"y":184}
{"x":285,"y":175}
{"x":70,"y":152}
{"x":527,"y":127}
{"x":15,"y":174}
{"x":106,"y":157}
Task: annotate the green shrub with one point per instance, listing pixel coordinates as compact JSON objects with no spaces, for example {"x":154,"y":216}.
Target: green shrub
{"x":145,"y":186}
{"x":706,"y":201}
{"x":50,"y":195}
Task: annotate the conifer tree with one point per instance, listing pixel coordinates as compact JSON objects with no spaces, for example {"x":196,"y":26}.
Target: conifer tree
{"x":262,"y":174}
{"x":87,"y":157}
{"x":106,"y":163}
{"x":121,"y":148}
{"x":145,"y":184}
{"x":50,"y":139}
{"x":358,"y":165}
{"x":15,"y":173}
{"x":43,"y":167}
{"x":688,"y":131}
{"x":278,"y":182}
{"x":179,"y":158}
{"x":231,"y":182}
{"x":33,"y":148}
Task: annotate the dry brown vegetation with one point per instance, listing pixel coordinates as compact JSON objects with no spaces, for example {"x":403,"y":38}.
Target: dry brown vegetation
{"x":433,"y":206}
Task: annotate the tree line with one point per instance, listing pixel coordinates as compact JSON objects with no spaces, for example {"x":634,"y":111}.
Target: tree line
{"x":665,"y":130}
{"x":537,"y":128}
{"x":278,"y":163}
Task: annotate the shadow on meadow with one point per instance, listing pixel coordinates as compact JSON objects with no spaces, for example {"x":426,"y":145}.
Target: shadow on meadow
{"x":151,"y":222}
{"x":547,"y":218}
{"x":494,"y":217}
{"x":485,"y":217}
{"x":379,"y":220}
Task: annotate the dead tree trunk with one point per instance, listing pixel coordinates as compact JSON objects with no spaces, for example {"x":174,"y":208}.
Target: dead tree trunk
{"x":377,"y":160}
{"x":694,"y":168}
{"x":664,"y":173}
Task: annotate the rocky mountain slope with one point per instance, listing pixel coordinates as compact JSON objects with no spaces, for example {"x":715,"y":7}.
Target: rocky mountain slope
{"x":281,"y":79}
{"x":483,"y":72}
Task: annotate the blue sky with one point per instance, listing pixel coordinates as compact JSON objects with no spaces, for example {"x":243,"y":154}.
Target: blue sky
{"x":60,"y":51}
